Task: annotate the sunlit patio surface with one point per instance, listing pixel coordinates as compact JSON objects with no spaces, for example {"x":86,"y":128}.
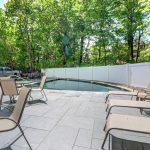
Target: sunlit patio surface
{"x":69,"y":120}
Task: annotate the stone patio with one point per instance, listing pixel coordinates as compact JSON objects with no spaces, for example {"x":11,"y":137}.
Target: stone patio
{"x":69,"y":120}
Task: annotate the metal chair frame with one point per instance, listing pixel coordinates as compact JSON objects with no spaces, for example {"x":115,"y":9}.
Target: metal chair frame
{"x":17,"y":123}
{"x":109,"y":134}
{"x":22,"y":132}
{"x":107,"y":96}
{"x":40,"y":89}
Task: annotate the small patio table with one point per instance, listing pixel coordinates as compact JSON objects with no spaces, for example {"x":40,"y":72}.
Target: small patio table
{"x":23,"y":82}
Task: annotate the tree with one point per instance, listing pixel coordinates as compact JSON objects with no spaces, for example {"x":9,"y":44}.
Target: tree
{"x":38,"y":34}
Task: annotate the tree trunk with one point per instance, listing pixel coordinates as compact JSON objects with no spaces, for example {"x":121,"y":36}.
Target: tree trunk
{"x":138,"y":47}
{"x":99,"y":54}
{"x":81,"y":50}
{"x":64,"y":59}
{"x":28,"y":41}
{"x":105,"y":53}
{"x":105,"y":56}
{"x":86,"y":51}
{"x":29,"y":55}
{"x":130,"y":45}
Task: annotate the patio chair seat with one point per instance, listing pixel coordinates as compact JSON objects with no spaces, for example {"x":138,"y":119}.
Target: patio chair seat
{"x":6,"y":124}
{"x":128,"y":93}
{"x":126,"y":123}
{"x":129,"y":123}
{"x":128,"y":103}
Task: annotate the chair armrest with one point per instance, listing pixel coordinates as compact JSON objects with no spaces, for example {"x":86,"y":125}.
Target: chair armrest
{"x":8,"y":119}
{"x":139,"y":89}
{"x":147,"y":91}
{"x":147,"y":96}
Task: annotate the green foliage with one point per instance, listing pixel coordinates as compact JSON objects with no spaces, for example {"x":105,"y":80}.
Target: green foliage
{"x":50,"y":33}
{"x":145,"y":55}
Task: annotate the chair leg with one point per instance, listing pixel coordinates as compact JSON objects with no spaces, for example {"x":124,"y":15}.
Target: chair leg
{"x":42,"y":95}
{"x":132,"y":97}
{"x":1,"y":100}
{"x":109,"y":141}
{"x":104,"y":141}
{"x":141,"y":111}
{"x":108,"y":113}
{"x":24,"y":137}
{"x":11,"y":99}
{"x":107,"y":107}
{"x":30,"y":97}
{"x":45,"y":95}
{"x":104,"y":127}
{"x":106,"y":99}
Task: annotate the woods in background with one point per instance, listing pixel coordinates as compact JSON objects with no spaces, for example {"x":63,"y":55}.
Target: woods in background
{"x":67,"y":33}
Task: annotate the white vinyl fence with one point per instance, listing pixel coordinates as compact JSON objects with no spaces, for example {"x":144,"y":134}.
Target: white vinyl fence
{"x":129,"y":74}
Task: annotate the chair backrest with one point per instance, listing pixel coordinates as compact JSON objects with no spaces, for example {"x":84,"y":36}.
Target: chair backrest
{"x":8,"y":87}
{"x":20,"y":104}
{"x":42,"y":82}
{"x":1,"y":78}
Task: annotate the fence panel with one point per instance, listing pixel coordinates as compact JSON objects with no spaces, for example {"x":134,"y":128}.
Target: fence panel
{"x":100,"y":73}
{"x":60,"y":72}
{"x":85,"y":73}
{"x":129,"y":74}
{"x":139,"y":74}
{"x":72,"y":73}
{"x":119,"y":74}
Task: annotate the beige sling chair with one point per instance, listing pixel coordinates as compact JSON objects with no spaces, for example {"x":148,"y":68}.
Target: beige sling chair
{"x":40,"y":89}
{"x":133,"y":93}
{"x":10,"y":123}
{"x":128,"y":103}
{"x":128,"y":93}
{"x":9,"y":88}
{"x":126,"y":123}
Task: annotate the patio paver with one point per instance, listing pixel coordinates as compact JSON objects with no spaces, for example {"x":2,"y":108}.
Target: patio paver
{"x":70,"y":120}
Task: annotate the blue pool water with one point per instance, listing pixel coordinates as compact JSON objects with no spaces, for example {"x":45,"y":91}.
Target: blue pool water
{"x":78,"y":86}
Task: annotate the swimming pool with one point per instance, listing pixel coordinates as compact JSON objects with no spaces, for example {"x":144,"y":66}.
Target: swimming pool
{"x":79,"y":86}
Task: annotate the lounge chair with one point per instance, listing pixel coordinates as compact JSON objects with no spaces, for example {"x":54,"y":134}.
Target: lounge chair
{"x":133,"y":93}
{"x":10,"y":123}
{"x":126,"y":123}
{"x":40,"y":89}
{"x":127,"y":103}
{"x":9,"y":88}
